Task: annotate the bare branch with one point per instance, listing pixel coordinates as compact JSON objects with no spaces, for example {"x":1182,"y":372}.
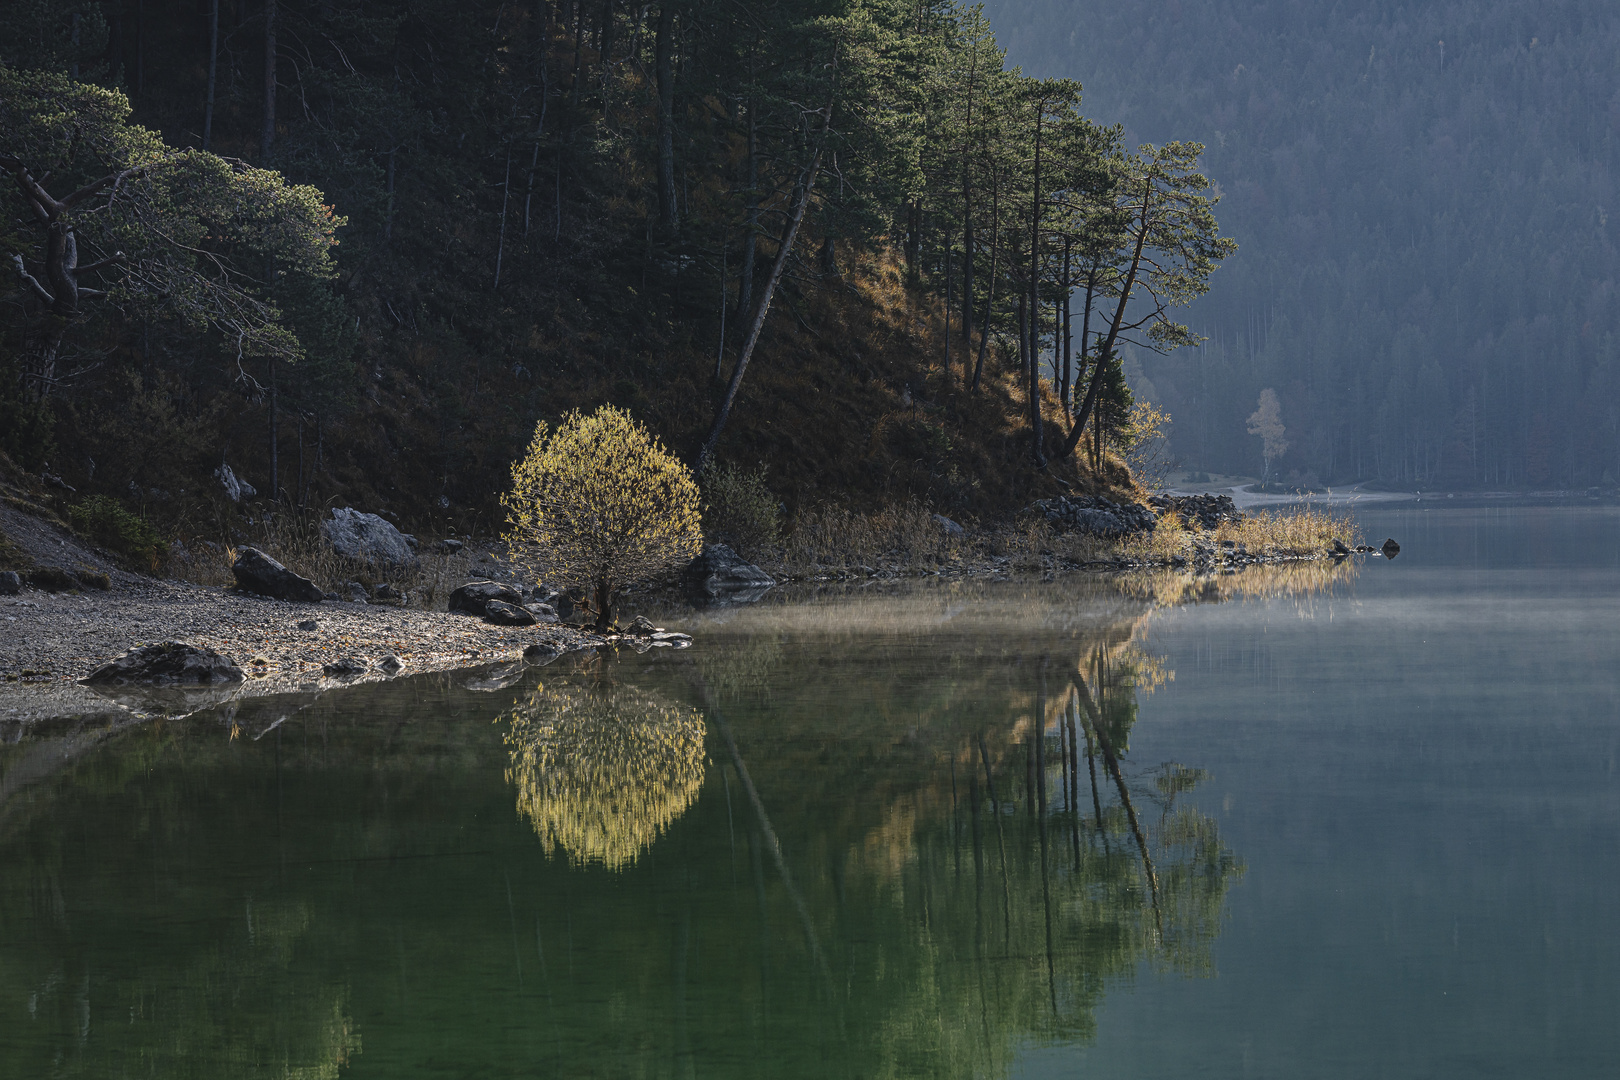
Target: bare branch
{"x":31,"y":281}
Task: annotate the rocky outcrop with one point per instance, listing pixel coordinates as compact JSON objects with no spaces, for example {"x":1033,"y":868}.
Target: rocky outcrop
{"x":1198,"y":511}
{"x":368,"y":538}
{"x":1096,"y":516}
{"x":475,"y":596}
{"x":171,"y":663}
{"x":236,"y":489}
{"x":720,"y":575}
{"x":258,"y":573}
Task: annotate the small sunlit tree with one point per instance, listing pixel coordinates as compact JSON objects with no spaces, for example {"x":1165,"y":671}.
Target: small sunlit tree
{"x":600,"y":503}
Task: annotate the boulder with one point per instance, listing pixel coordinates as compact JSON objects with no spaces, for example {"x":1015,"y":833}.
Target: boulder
{"x":951,"y":528}
{"x":348,"y":665}
{"x":450,"y":547}
{"x":720,"y":574}
{"x":642,"y":626}
{"x":1197,"y":511}
{"x":258,"y":573}
{"x":473,"y":596}
{"x":1096,"y":516}
{"x":10,"y":583}
{"x":391,"y":663}
{"x":1390,"y":548}
{"x":501,"y":613}
{"x":1340,"y":547}
{"x":367,"y":538}
{"x":544,"y":613}
{"x":170,"y":663}
{"x":356,"y":591}
{"x":236,"y":489}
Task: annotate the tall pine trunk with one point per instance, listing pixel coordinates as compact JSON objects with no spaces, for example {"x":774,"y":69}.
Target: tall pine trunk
{"x":1037,"y":436}
{"x":664,"y":53}
{"x":267,"y":133}
{"x":213,"y":73}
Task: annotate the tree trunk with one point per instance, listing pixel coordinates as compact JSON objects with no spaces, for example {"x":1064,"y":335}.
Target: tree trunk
{"x":745,"y":280}
{"x":267,"y":133}
{"x":500,"y":243}
{"x":1105,"y":348}
{"x":663,"y":53}
{"x":967,"y":268}
{"x":275,"y":433}
{"x":1037,"y":435}
{"x":1068,"y":336}
{"x":213,"y":73}
{"x":990,"y":288}
{"x":783,"y":253}
{"x":948,"y":304}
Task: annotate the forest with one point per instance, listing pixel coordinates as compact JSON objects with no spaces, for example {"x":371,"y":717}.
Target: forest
{"x":1422,"y":195}
{"x":355,"y":250}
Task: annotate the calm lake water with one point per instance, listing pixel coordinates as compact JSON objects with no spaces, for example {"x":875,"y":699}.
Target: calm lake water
{"x":1329,"y":822}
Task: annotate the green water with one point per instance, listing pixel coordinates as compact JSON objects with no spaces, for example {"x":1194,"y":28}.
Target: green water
{"x":1360,"y":821}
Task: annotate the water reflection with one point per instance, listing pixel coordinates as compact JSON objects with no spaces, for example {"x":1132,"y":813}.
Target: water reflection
{"x":898,"y":836}
{"x":601,"y":771}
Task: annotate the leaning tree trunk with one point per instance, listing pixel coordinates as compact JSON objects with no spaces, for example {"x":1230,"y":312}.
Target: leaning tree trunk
{"x":783,"y":253}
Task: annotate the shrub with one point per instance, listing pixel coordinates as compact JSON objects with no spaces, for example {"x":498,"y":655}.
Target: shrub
{"x":121,"y":532}
{"x":738,"y":509}
{"x":600,"y":503}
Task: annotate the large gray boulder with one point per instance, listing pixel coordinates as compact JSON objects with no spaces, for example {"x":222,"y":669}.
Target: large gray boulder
{"x":170,"y":663}
{"x":501,"y":613}
{"x":367,"y":538}
{"x":10,"y":583}
{"x":474,"y":597}
{"x":720,"y":575}
{"x":258,"y":573}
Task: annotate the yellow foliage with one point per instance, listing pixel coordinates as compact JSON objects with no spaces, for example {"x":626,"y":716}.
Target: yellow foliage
{"x":601,"y":503}
{"x":600,"y":774}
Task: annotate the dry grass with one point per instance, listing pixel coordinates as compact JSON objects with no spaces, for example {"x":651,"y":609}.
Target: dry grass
{"x":295,"y":540}
{"x":905,"y":537}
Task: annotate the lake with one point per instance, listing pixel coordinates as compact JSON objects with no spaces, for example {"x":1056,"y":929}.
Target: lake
{"x":1329,"y":821}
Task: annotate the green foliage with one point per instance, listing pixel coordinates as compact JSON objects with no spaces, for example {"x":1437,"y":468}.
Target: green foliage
{"x":106,"y":522}
{"x":600,"y":503}
{"x":739,"y":509}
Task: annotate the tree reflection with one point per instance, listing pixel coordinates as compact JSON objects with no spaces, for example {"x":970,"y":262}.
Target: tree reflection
{"x":600,"y":772}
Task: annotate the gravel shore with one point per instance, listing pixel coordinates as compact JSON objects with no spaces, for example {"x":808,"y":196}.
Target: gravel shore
{"x":62,"y":637}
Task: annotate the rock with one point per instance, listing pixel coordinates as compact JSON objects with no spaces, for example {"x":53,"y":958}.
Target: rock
{"x":543,"y":613}
{"x":307,"y":624}
{"x":258,"y":573}
{"x":391,"y":663}
{"x":1198,"y":511}
{"x":669,"y":637}
{"x":720,"y":574}
{"x":642,"y":626}
{"x":357,"y":592}
{"x":386,"y":591}
{"x":1339,"y":547}
{"x":367,"y":538}
{"x":1390,"y":548}
{"x":349,"y":665}
{"x":236,"y":489}
{"x":500,"y":613}
{"x":951,"y":528}
{"x":496,"y":678}
{"x":171,"y":663}
{"x":412,"y":542}
{"x":473,"y":596}
{"x":1096,"y":516}
{"x":450,"y":547}
{"x":10,"y":583}
{"x":541,"y":653}
{"x":332,"y":596}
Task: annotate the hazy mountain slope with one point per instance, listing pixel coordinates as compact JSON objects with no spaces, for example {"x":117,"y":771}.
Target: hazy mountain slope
{"x":1428,"y":265}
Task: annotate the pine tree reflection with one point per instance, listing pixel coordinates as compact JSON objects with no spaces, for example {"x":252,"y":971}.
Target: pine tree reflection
{"x":602,"y":771}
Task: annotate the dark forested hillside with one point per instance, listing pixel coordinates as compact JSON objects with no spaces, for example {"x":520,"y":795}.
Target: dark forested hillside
{"x":1423,"y":197}
{"x":843,"y":227}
